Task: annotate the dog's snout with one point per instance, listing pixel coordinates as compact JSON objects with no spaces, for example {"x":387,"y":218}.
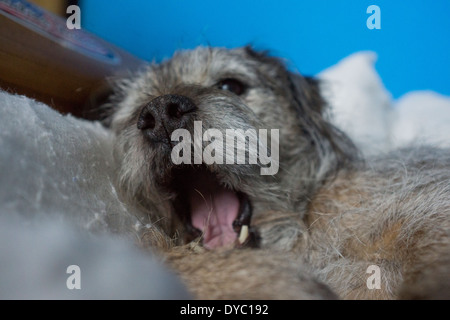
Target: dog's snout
{"x":164,"y":114}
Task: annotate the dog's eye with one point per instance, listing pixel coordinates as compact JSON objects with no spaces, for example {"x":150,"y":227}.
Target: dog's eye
{"x":232,"y":85}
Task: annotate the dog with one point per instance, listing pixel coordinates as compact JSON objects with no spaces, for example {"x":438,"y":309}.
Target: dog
{"x":327,"y":215}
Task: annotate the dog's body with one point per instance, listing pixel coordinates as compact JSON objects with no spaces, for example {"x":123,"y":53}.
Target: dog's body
{"x":326,"y":210}
{"x":392,"y":213}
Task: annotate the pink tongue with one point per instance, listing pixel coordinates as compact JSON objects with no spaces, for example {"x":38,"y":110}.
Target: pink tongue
{"x":213,"y":210}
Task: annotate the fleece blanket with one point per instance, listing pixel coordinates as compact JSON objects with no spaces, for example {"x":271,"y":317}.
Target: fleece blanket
{"x":65,"y":234}
{"x":362,"y":107}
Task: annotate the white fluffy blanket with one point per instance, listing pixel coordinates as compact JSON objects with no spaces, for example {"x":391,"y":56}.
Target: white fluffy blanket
{"x":363,"y":108}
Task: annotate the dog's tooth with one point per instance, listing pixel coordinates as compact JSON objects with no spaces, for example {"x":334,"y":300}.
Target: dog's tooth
{"x":243,"y":235}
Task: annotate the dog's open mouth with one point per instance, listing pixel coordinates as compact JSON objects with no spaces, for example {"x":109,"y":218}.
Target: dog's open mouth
{"x":219,"y":215}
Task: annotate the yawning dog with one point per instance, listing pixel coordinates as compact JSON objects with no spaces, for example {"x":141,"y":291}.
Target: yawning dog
{"x":329,"y":213}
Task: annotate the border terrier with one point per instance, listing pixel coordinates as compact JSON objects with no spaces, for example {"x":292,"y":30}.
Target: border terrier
{"x":327,"y":215}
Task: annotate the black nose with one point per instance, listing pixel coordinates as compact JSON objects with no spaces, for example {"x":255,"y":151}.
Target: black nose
{"x":164,"y":114}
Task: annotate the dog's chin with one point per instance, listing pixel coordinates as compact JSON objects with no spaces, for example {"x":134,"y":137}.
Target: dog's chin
{"x":212,"y":211}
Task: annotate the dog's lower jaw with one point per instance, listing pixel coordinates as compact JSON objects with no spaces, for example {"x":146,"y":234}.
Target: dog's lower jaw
{"x":211,"y":213}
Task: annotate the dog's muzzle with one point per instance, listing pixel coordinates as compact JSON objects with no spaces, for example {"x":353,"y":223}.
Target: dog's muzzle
{"x":209,"y":209}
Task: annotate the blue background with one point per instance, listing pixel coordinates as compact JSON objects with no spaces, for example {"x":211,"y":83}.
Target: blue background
{"x":413,"y":45}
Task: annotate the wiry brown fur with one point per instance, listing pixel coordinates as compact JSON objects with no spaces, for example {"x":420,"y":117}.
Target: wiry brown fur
{"x":326,"y":208}
{"x":392,"y":212}
{"x":237,"y":274}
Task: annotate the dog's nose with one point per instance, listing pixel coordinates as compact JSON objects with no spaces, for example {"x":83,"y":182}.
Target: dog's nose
{"x":164,"y":114}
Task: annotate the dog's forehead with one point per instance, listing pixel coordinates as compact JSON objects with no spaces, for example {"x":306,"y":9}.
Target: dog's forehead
{"x":203,"y":65}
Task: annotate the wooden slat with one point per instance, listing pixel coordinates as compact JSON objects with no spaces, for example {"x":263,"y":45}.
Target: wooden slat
{"x":56,"y":6}
{"x":50,"y":71}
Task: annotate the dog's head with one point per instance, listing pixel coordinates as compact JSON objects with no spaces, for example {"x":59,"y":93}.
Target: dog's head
{"x":212,"y":137}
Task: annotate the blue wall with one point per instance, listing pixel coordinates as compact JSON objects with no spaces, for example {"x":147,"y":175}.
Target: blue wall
{"x":413,"y":45}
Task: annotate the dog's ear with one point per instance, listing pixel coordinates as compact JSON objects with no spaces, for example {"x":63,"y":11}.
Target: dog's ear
{"x":310,"y":107}
{"x":305,"y":90}
{"x":308,"y":103}
{"x":306,"y":100}
{"x":306,"y":93}
{"x":260,"y":55}
{"x":315,"y":96}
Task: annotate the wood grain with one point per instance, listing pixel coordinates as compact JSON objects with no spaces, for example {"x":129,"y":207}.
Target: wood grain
{"x":48,"y":70}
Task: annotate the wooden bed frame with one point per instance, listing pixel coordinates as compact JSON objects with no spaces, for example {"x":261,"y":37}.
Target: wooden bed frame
{"x":66,"y":69}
